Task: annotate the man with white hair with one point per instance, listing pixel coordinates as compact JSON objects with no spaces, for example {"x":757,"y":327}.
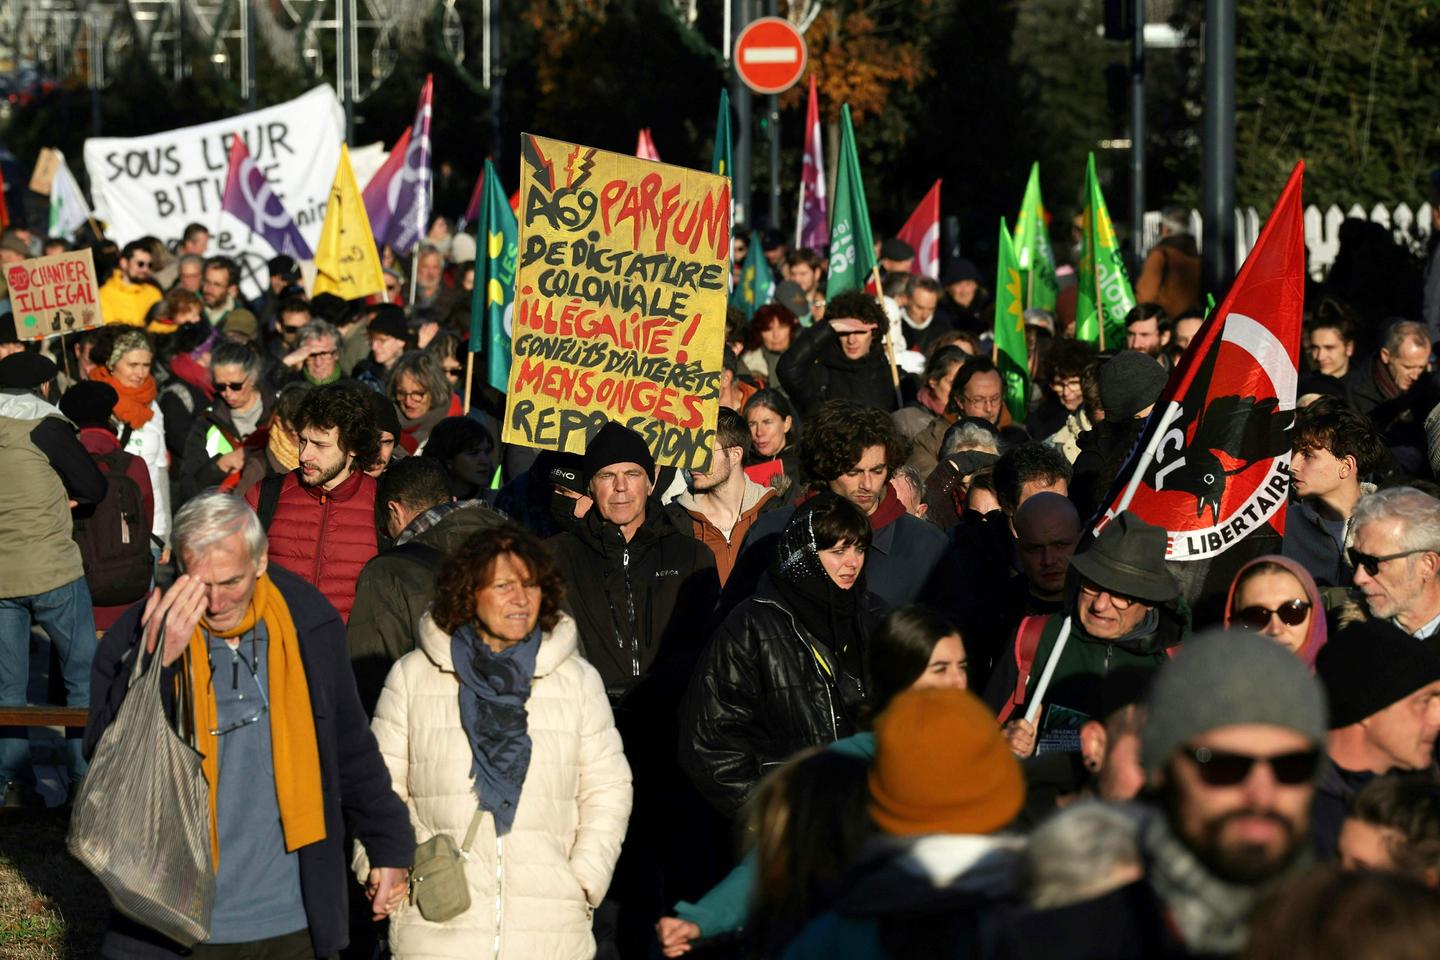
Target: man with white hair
{"x":1396,"y":559}
{"x":288,"y":756}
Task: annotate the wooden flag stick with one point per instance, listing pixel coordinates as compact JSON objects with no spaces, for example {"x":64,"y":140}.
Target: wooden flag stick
{"x":469,"y":378}
{"x":885,"y":337}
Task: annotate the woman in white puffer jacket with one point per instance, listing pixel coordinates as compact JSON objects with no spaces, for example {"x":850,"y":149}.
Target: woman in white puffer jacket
{"x":497,"y":704}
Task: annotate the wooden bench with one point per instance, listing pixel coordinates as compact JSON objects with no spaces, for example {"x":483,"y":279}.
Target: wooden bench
{"x":44,"y":716}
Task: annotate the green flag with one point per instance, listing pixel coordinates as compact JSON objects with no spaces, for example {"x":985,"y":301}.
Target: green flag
{"x":1010,"y":351}
{"x":1104,"y":296}
{"x":852,"y":248}
{"x":757,"y":283}
{"x":1032,"y":248}
{"x":720,"y":155}
{"x":497,"y":246}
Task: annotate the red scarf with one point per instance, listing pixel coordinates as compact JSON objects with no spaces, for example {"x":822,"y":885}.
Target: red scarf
{"x":890,"y":510}
{"x":134,"y":405}
{"x":185,"y":367}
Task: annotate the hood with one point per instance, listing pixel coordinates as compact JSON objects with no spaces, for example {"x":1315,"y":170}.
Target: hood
{"x":896,"y":875}
{"x":27,"y":406}
{"x":556,"y":647}
{"x":749,"y":500}
{"x":1318,"y":634}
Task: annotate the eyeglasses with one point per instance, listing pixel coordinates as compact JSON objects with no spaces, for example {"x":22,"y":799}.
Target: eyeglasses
{"x":1219,"y":768}
{"x":145,"y":264}
{"x":292,"y":328}
{"x":411,"y":394}
{"x":260,"y":705}
{"x":229,"y":387}
{"x":1371,"y":564}
{"x":1118,"y":601}
{"x":1292,"y":613}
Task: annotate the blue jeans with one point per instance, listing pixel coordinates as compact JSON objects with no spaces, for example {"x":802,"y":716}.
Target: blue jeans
{"x":66,"y":615}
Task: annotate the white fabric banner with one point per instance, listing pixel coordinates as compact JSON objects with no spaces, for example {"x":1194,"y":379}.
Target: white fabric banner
{"x":157,"y":184}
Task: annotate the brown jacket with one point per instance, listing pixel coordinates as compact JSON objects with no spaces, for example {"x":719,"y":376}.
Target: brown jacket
{"x":755,"y":501}
{"x":1171,"y":275}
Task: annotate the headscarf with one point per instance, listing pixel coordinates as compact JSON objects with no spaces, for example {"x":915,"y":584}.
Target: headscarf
{"x":134,"y":406}
{"x":829,"y":613}
{"x":493,"y":690}
{"x":1318,"y":630}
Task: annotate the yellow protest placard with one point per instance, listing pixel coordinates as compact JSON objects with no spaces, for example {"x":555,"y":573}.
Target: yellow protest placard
{"x":620,"y":301}
{"x":54,"y":295}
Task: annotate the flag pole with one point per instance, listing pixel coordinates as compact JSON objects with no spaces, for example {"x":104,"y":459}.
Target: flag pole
{"x":800,"y":216}
{"x":469,"y":378}
{"x":885,"y":337}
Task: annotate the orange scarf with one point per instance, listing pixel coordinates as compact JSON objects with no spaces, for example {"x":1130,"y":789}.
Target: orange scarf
{"x":134,"y":405}
{"x":294,"y":753}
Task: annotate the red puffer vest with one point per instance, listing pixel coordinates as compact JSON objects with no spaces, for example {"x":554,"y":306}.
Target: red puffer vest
{"x":325,"y":536}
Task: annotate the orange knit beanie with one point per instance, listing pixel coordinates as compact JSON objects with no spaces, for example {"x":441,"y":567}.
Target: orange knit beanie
{"x":941,"y":766}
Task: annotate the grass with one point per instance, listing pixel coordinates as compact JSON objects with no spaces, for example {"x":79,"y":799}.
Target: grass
{"x":51,"y":908}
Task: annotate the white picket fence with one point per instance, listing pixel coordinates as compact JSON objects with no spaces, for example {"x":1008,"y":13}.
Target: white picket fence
{"x":1322,"y":229}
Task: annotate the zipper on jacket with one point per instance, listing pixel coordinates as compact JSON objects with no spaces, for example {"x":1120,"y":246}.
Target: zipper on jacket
{"x":320,"y":540}
{"x":815,"y":662}
{"x":630,"y":608}
{"x":499,"y":888}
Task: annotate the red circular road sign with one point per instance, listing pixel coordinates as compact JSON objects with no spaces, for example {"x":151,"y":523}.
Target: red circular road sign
{"x":770,"y":55}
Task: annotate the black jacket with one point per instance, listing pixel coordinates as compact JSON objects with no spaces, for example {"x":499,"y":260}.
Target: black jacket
{"x":760,"y":695}
{"x":354,"y":781}
{"x":815,"y":369}
{"x":197,"y":468}
{"x":1103,"y":450}
{"x":395,"y":588}
{"x":664,"y":575}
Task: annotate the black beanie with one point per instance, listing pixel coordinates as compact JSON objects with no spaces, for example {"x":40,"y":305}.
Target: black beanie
{"x":1368,"y":666}
{"x":616,"y":444}
{"x":89,"y":403}
{"x":1130,"y":381}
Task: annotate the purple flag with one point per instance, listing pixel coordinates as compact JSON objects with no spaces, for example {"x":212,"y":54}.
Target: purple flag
{"x":407,"y":195}
{"x":251,"y":199}
{"x":378,"y":198}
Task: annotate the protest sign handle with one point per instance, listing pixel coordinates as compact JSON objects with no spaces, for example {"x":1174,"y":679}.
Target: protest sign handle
{"x":469,"y":378}
{"x":1042,"y":687}
{"x":414,"y":274}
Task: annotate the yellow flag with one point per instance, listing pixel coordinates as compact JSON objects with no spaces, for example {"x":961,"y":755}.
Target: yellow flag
{"x":346,"y":262}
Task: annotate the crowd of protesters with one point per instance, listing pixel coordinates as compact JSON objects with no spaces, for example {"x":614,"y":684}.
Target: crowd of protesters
{"x":785,"y":706}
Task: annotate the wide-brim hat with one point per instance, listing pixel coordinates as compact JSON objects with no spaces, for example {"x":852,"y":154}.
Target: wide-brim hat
{"x":1128,"y":558}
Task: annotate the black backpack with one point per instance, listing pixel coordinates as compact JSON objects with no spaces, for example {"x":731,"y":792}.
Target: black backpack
{"x":115,"y":540}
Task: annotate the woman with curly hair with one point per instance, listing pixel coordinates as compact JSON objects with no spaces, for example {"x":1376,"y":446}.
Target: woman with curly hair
{"x":498,"y":733}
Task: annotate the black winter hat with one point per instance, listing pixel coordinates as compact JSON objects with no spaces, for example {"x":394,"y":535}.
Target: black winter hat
{"x":284,"y":267}
{"x":390,"y":320}
{"x":896,"y":249}
{"x":387,"y":419}
{"x":26,"y":370}
{"x":330,"y":308}
{"x":89,"y":403}
{"x":1368,"y":666}
{"x":1130,"y":381}
{"x":958,"y":272}
{"x":7,"y":328}
{"x":616,"y":444}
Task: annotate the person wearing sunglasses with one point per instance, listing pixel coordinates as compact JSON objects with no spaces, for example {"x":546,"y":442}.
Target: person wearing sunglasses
{"x":1384,"y":693}
{"x":1125,"y":611}
{"x":129,"y":293}
{"x":1334,"y":448}
{"x":236,"y":423}
{"x":1396,"y":558}
{"x":1276,"y":597}
{"x":1232,"y":748}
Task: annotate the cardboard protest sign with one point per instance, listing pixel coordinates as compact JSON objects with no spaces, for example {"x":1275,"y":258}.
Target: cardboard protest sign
{"x":54,"y":295}
{"x":620,"y":301}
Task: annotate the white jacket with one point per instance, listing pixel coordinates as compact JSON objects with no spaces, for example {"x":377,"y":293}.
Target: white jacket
{"x":532,"y":892}
{"x":148,"y":443}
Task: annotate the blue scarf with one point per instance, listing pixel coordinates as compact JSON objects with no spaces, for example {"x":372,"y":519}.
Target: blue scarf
{"x":493,"y":690}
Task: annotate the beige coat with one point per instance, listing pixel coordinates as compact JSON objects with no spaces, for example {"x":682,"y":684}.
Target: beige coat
{"x":532,"y":891}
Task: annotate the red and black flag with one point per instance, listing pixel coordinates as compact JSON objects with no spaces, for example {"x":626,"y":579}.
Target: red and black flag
{"x":1213,"y":464}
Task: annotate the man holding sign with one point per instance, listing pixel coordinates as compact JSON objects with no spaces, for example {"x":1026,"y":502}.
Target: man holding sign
{"x":1123,"y":610}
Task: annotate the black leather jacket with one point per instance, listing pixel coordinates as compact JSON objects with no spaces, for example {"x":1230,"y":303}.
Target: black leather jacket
{"x":765,"y":689}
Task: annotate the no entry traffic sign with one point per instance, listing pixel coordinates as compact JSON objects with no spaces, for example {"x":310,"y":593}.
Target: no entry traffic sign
{"x":770,"y":55}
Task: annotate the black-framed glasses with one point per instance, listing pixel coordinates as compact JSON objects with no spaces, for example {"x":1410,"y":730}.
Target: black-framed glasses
{"x":1371,"y":563}
{"x":223,"y":387}
{"x":259,"y":704}
{"x":1292,"y":613}
{"x":292,"y":328}
{"x":1117,"y":600}
{"x":1220,"y":768}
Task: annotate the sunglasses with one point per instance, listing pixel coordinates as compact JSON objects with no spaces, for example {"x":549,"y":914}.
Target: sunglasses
{"x":1292,"y":613}
{"x":229,"y":387}
{"x":1371,"y":564}
{"x":1219,"y":768}
{"x":1118,"y":601}
{"x":293,"y":328}
{"x":454,"y":371}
